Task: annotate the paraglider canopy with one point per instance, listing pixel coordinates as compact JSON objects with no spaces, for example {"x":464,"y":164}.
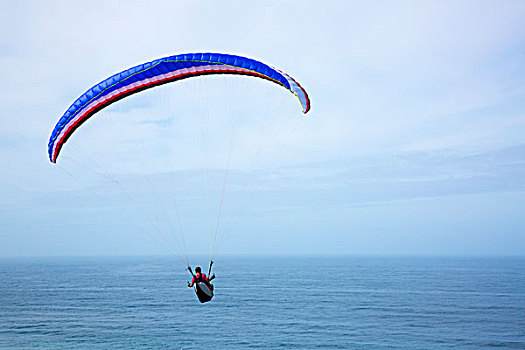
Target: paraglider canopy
{"x":158,"y":72}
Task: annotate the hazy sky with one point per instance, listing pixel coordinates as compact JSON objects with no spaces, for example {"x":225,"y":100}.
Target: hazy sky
{"x":415,"y":143}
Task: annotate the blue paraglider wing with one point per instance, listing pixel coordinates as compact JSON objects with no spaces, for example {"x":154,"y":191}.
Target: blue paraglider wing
{"x":158,"y":72}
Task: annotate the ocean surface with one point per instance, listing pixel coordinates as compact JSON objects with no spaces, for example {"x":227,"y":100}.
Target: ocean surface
{"x":264,"y":303}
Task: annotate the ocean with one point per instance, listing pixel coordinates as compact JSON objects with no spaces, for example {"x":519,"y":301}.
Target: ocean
{"x":270,"y":302}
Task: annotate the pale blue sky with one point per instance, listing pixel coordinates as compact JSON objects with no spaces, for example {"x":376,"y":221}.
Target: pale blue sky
{"x":414,"y":145}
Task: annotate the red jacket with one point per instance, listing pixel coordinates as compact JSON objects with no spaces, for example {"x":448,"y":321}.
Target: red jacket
{"x":202,"y":277}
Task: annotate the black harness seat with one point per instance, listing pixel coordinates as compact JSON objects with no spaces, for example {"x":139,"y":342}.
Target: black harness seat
{"x":203,"y":289}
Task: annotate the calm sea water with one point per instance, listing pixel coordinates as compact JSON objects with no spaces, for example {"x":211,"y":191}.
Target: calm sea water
{"x":264,"y":302}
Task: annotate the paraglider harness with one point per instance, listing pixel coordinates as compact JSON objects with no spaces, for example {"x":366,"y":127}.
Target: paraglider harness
{"x":202,"y":295}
